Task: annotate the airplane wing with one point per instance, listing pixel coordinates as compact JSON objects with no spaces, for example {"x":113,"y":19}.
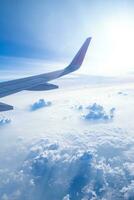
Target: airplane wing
{"x":40,"y":82}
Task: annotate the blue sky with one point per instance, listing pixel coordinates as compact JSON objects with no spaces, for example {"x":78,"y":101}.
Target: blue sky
{"x":54,"y":30}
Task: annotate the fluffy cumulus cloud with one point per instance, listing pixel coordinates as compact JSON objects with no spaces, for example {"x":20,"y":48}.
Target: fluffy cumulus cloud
{"x":40,"y":104}
{"x":86,"y":161}
{"x":97,"y":112}
{"x":70,"y":172}
{"x":4,"y":121}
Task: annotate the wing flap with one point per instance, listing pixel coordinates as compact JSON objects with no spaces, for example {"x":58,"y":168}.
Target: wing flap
{"x":5,"y":107}
{"x":42,"y":87}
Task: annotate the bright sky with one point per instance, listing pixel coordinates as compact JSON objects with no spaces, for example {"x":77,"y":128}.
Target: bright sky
{"x":54,"y":30}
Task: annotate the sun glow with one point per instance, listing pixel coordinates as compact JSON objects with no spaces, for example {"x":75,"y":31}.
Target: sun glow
{"x":112,"y":48}
{"x":121,"y":43}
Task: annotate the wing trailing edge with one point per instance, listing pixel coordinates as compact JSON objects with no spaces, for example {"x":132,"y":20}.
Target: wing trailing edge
{"x":42,"y":87}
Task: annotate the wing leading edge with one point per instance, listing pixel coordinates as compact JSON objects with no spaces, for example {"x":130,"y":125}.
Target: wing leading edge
{"x":34,"y":82}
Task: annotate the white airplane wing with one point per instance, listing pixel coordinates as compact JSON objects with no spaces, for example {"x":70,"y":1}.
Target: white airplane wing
{"x":40,"y":82}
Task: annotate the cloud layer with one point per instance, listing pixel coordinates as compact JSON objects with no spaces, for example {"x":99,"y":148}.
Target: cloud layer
{"x":56,"y":154}
{"x":54,"y":170}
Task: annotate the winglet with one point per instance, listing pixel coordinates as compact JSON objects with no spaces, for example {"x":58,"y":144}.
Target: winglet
{"x":78,"y":59}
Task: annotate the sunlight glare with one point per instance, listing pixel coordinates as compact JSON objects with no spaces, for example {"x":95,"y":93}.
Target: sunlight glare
{"x":121,"y":37}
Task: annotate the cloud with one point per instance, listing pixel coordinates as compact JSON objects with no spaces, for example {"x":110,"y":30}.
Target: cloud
{"x":69,"y":172}
{"x":66,"y":197}
{"x":96,"y":112}
{"x":41,"y":103}
{"x":122,"y":93}
{"x":128,"y":191}
{"x":85,"y":162}
{"x":4,"y":121}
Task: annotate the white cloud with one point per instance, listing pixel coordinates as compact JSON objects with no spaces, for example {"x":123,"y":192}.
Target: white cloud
{"x":4,"y":121}
{"x":72,"y":159}
{"x":128,"y":191}
{"x":40,"y":104}
{"x":70,"y":172}
{"x":97,"y":113}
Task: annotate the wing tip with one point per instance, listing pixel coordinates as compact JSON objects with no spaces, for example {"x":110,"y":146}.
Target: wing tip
{"x":89,"y":38}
